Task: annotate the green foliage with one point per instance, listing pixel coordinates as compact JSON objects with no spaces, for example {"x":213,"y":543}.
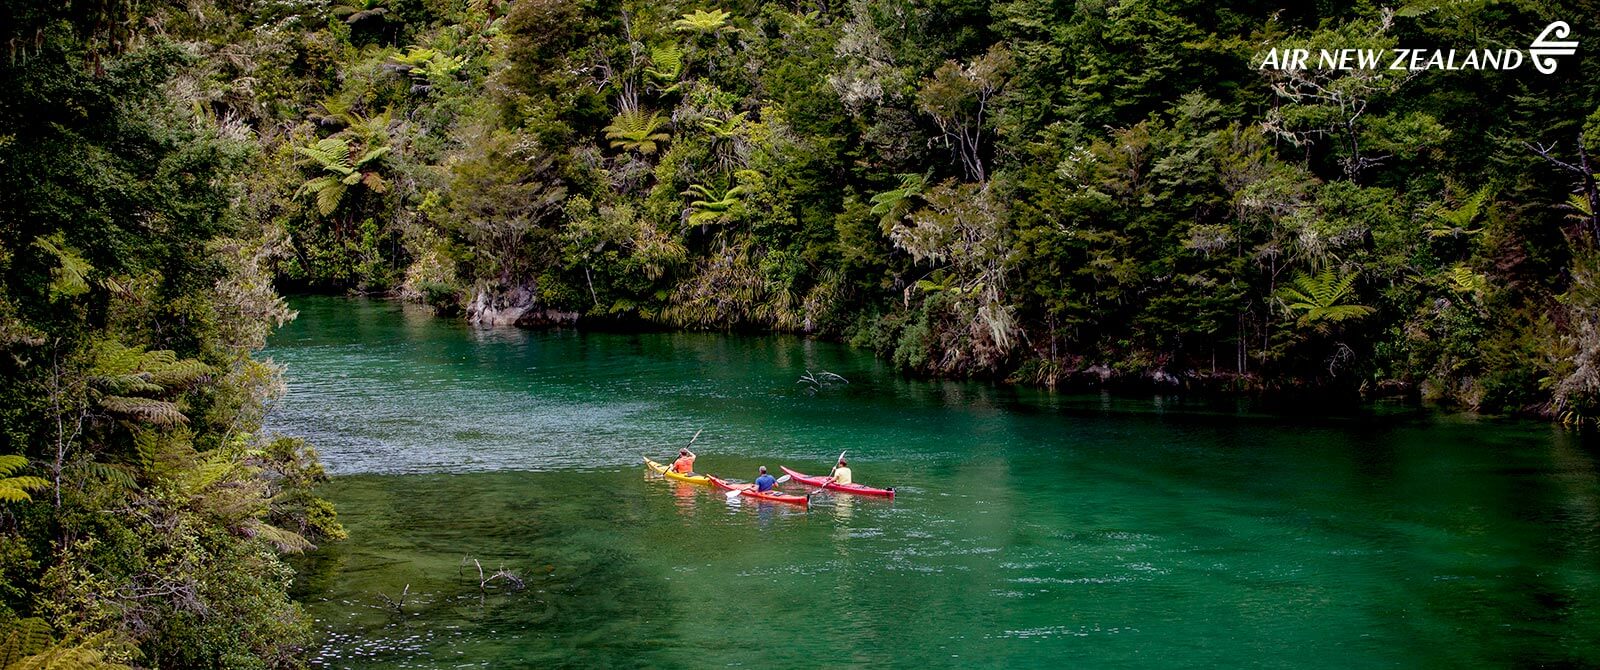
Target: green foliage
{"x":358,"y":11}
{"x":710,"y":204}
{"x":1320,"y":299}
{"x":892,"y":205}
{"x":666,"y":66}
{"x":28,"y":645}
{"x":134,"y":285}
{"x":339,"y":160}
{"x":636,"y":130}
{"x":70,"y":278}
{"x":704,"y":22}
{"x":1444,"y":221}
{"x":16,"y":489}
{"x":1017,"y":190}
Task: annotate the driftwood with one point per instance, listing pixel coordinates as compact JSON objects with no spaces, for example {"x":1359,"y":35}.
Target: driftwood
{"x":398,"y":606}
{"x":820,"y":380}
{"x":502,"y":574}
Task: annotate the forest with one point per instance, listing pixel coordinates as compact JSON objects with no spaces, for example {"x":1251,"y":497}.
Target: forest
{"x":1099,"y":193}
{"x":1068,"y":195}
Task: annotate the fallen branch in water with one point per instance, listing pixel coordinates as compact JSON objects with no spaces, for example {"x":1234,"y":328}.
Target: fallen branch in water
{"x":820,"y":380}
{"x":397,"y":605}
{"x":502,"y":574}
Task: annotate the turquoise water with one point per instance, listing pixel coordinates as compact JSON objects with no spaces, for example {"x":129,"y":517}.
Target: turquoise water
{"x":1029,"y":529}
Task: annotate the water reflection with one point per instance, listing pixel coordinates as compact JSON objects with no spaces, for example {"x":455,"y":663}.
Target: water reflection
{"x":843,"y":507}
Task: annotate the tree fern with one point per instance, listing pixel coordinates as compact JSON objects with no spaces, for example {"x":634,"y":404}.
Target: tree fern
{"x":24,"y":638}
{"x":357,"y":11}
{"x":413,"y":57}
{"x":1581,"y":211}
{"x":145,"y":410}
{"x":724,"y":128}
{"x":1320,"y":298}
{"x":70,"y":277}
{"x":336,"y":157}
{"x":712,"y":204}
{"x":125,"y":379}
{"x":87,"y":654}
{"x":16,"y":489}
{"x":1464,"y":280}
{"x":634,"y":130}
{"x":703,"y":22}
{"x":285,"y":541}
{"x":893,"y":204}
{"x":666,"y":65}
{"x":1444,"y":221}
{"x":426,"y":66}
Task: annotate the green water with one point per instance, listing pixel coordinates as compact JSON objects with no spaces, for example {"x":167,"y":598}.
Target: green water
{"x":1029,"y":530}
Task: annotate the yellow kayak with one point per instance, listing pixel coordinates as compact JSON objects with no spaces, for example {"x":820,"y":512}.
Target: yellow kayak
{"x":669,"y":474}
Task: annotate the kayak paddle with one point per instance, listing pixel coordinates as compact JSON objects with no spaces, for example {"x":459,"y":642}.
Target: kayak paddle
{"x":829,"y":479}
{"x":735,"y":493}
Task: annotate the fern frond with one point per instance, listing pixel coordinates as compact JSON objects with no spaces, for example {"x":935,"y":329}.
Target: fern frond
{"x":127,"y":384}
{"x":703,"y":22}
{"x":111,"y":473}
{"x":24,"y":638}
{"x":88,"y":654}
{"x":373,"y":155}
{"x":11,"y":463}
{"x":148,"y":410}
{"x":70,"y":277}
{"x":331,"y":154}
{"x":179,"y":374}
{"x":374,"y":182}
{"x":285,"y":541}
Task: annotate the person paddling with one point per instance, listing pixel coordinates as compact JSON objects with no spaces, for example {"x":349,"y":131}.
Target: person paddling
{"x":841,"y":474}
{"x":765,"y":482}
{"x":685,"y":462}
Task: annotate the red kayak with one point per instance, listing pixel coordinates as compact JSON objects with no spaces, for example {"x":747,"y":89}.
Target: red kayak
{"x":857,"y":489}
{"x":749,"y":491}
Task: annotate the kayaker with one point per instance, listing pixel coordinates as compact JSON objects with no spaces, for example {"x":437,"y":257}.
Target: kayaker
{"x":765,"y":482}
{"x":841,"y":474}
{"x":685,"y":462}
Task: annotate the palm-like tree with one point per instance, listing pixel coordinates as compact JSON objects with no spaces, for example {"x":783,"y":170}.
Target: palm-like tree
{"x":356,"y":11}
{"x":1320,"y":299}
{"x":666,"y":65}
{"x":726,"y":144}
{"x":414,"y":57}
{"x":338,"y":160}
{"x":704,"y":23}
{"x":137,"y":385}
{"x":711,"y":204}
{"x":426,"y":66}
{"x":15,"y":489}
{"x":634,"y":130}
{"x":723,"y":128}
{"x":1444,"y":221}
{"x":894,"y":204}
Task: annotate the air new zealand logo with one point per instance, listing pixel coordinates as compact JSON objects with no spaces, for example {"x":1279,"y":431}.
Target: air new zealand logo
{"x":1550,"y":43}
{"x":1545,"y":50}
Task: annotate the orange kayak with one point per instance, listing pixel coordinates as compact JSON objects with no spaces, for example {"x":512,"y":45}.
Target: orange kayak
{"x":749,"y":491}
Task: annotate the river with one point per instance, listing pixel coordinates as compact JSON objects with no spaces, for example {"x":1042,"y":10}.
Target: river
{"x":1029,"y":529}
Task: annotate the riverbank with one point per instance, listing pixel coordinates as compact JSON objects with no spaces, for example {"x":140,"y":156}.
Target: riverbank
{"x":1080,"y":375}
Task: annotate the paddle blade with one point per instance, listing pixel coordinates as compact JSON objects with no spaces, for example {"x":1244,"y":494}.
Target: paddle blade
{"x":733,"y":494}
{"x":783,"y":479}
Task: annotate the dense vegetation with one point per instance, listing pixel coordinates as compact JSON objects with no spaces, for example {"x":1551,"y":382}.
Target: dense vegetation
{"x":1047,"y":192}
{"x":142,"y":515}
